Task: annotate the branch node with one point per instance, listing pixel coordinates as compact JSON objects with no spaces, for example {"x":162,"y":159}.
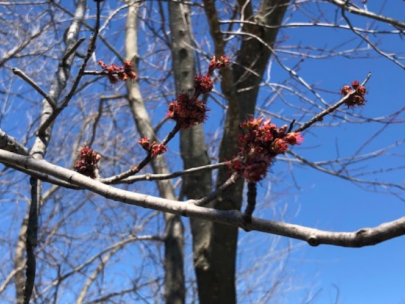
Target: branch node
{"x":313,"y":241}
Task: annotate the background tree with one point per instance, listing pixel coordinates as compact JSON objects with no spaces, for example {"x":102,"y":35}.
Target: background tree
{"x":85,"y":247}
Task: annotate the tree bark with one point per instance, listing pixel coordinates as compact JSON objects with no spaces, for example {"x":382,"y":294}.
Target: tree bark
{"x":246,"y":73}
{"x":192,"y":144}
{"x":174,"y":234}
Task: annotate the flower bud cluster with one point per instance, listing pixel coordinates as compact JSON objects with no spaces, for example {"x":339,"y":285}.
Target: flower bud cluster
{"x":188,"y":110}
{"x":259,"y":144}
{"x":153,"y":148}
{"x":223,"y":62}
{"x":357,"y":99}
{"x":116,"y":73}
{"x":87,"y":163}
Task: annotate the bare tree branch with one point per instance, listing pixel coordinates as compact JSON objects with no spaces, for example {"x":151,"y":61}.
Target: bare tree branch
{"x":314,"y":237}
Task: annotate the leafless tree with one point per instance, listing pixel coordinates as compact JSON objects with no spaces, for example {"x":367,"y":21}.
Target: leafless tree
{"x":75,"y":231}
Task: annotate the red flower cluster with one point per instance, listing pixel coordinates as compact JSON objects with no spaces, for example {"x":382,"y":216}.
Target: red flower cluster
{"x":153,"y":148}
{"x":358,"y":98}
{"x":223,"y":62}
{"x":259,"y":144}
{"x":116,"y":73}
{"x":203,"y":84}
{"x":188,"y":110}
{"x":87,"y":164}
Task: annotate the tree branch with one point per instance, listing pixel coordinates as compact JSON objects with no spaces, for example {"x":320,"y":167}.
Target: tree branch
{"x":314,"y":237}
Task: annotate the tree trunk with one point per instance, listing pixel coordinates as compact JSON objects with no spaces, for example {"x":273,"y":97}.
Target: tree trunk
{"x":174,"y":234}
{"x":192,"y":145}
{"x":218,"y":285}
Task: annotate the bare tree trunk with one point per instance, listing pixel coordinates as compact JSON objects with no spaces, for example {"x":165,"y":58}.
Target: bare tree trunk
{"x":219,"y":241}
{"x":192,"y":144}
{"x":174,"y":234}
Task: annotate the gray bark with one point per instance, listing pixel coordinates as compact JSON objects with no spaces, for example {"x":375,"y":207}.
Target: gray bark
{"x":314,"y":237}
{"x":174,"y":234}
{"x":220,"y":258}
{"x":192,"y":144}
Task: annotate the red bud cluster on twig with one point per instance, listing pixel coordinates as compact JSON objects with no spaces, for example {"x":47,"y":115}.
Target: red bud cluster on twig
{"x":153,"y":148}
{"x":187,"y":110}
{"x":87,"y":164}
{"x":259,"y":144}
{"x":356,"y":99}
{"x":116,"y":73}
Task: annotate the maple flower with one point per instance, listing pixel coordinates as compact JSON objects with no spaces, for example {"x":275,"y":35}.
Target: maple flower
{"x":187,"y":112}
{"x":223,"y":62}
{"x":279,"y":146}
{"x":256,"y":171}
{"x":87,"y":163}
{"x":361,"y":90}
{"x":158,"y":150}
{"x":259,"y":143}
{"x":129,"y":70}
{"x":357,"y":99}
{"x":203,"y":84}
{"x":144,"y":142}
{"x":251,"y":124}
{"x":355,"y":84}
{"x":346,"y":90}
{"x":116,"y":73}
{"x":294,"y":138}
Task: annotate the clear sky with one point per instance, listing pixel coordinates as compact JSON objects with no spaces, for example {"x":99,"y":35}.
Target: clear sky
{"x":326,"y":274}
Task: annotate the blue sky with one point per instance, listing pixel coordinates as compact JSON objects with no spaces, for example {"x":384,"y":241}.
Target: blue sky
{"x":305,"y":196}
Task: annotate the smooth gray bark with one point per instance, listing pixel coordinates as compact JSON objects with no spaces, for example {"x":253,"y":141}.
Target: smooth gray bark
{"x":174,"y":234}
{"x":192,"y":144}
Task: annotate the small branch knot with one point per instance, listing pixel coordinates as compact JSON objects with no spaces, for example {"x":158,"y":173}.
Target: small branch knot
{"x":313,"y":241}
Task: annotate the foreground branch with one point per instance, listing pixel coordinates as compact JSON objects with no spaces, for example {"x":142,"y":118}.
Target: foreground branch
{"x":314,"y":237}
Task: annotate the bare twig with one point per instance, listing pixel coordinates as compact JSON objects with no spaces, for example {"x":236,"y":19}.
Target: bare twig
{"x":355,"y":10}
{"x":35,"y":86}
{"x":72,"y":50}
{"x":209,"y":198}
{"x":153,"y":177}
{"x":251,"y":203}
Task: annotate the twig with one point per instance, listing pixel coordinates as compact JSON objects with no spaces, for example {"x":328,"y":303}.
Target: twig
{"x":72,"y":50}
{"x":32,"y":83}
{"x":210,"y":197}
{"x":251,"y":200}
{"x":153,"y":177}
{"x":329,"y":110}
{"x":79,"y":76}
{"x":357,"y":11}
{"x":135,"y":169}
